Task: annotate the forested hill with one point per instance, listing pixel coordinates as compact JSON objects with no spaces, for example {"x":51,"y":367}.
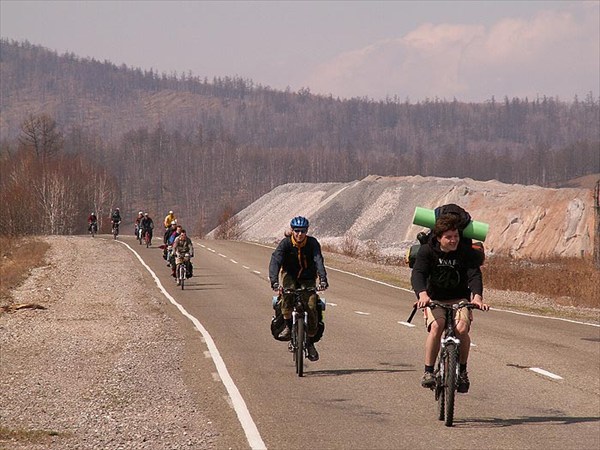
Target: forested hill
{"x":179,"y":139}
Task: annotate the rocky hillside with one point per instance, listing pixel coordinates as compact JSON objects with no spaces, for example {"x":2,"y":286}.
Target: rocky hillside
{"x":525,"y":221}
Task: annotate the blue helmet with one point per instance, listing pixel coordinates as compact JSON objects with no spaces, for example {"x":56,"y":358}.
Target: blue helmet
{"x":299,"y":222}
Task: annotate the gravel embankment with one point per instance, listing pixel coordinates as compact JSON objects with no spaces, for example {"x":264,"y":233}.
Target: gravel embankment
{"x":101,"y":366}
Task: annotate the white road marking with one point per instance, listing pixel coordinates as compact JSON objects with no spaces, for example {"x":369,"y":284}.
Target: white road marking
{"x":222,"y":255}
{"x":237,"y":401}
{"x":362,"y":313}
{"x":256,"y":272}
{"x":246,"y":267}
{"x":545,"y":373}
{"x":331,"y":304}
{"x":406,"y":324}
{"x":233,"y":261}
{"x":545,"y":317}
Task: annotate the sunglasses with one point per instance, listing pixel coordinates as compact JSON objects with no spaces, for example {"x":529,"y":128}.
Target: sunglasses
{"x":299,"y":230}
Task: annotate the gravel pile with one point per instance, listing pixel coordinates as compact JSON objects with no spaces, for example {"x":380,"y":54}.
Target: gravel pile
{"x":100,"y":367}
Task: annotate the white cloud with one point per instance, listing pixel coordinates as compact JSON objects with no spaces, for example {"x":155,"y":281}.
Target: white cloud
{"x":553,"y":53}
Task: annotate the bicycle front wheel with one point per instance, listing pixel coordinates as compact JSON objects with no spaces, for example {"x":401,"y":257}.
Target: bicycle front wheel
{"x":451,"y":372}
{"x":300,"y":347}
{"x":181,"y":275}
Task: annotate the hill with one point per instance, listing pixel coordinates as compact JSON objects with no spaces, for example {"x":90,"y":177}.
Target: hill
{"x":525,"y":221}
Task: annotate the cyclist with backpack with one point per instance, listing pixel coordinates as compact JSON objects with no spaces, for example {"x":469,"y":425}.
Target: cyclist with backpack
{"x":299,"y":258}
{"x":447,"y":269}
{"x":147,"y":224}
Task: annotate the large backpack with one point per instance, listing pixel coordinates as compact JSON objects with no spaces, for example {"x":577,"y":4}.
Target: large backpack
{"x":278,"y":323}
{"x":464,"y":220}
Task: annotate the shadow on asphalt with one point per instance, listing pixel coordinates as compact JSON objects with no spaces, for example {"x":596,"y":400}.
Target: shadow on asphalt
{"x":500,"y":423}
{"x":341,"y":372}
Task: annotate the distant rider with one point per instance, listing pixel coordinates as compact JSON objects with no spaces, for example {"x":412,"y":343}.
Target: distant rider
{"x":147,"y":224}
{"x":92,"y":221}
{"x":115,"y":218}
{"x":182,"y":245}
{"x":138,"y":219}
{"x":300,"y":260}
{"x":169,"y":219}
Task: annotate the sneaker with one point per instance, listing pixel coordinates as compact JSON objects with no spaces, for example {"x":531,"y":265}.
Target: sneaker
{"x":463,"y":383}
{"x":286,"y":334}
{"x":428,"y":380}
{"x":178,"y":282}
{"x":313,"y":354}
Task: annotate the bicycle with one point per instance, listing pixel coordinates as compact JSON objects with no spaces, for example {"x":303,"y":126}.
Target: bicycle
{"x":447,"y":363}
{"x":298,"y":343}
{"x":181,"y":271}
{"x":93,"y":228}
{"x":115,"y":230}
{"x":138,"y":234}
{"x":147,"y":238}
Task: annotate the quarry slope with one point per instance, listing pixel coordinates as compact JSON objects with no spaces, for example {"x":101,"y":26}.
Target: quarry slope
{"x":525,"y":221}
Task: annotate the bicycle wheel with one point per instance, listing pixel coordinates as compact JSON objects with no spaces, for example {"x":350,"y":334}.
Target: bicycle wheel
{"x":147,"y":239}
{"x":300,"y":347}
{"x":450,"y":384}
{"x":181,"y":272}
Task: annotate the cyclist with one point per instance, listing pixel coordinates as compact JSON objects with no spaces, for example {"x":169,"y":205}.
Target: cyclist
{"x":169,"y":219}
{"x":92,"y":221}
{"x":138,"y":219}
{"x":299,"y":258}
{"x":147,"y":224}
{"x":182,"y":245}
{"x":447,"y":269}
{"x":115,"y":218}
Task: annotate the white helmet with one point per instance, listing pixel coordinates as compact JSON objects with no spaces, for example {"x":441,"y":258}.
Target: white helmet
{"x":170,"y":212}
{"x":141,"y":212}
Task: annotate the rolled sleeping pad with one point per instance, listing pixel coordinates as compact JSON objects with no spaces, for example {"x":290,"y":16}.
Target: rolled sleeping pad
{"x":426,"y":218}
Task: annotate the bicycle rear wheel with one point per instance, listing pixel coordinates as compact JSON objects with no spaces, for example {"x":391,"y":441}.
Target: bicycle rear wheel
{"x":299,"y":356}
{"x":451,"y":361}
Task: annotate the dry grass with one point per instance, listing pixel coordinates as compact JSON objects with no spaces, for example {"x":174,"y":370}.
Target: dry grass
{"x":569,"y":281}
{"x":17,"y":257}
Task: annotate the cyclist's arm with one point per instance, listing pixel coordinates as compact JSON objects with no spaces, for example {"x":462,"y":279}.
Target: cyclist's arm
{"x":276,"y":262}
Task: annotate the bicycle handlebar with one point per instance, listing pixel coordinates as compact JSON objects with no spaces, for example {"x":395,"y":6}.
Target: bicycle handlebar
{"x":299,"y":290}
{"x":435,"y":303}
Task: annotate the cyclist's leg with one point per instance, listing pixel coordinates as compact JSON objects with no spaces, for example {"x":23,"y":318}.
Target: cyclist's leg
{"x":313,"y":315}
{"x":288,"y":282}
{"x":435,"y":322}
{"x":462,"y":328}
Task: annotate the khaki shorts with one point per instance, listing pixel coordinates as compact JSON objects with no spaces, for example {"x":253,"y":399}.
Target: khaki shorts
{"x":431,"y":315}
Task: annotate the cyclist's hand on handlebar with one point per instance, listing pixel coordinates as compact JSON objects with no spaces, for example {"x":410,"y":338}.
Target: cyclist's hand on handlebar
{"x":323,"y":285}
{"x":423,"y":301}
{"x":478,"y":300}
{"x":276,"y":287}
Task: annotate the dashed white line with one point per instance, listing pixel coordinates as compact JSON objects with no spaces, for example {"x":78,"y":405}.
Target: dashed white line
{"x":362,"y":313}
{"x":407,"y":324}
{"x":246,"y":267}
{"x":256,"y":272}
{"x":546,"y":373}
{"x":222,"y":255}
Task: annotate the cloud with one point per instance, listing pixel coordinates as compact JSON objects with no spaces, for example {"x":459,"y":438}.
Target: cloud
{"x":553,"y":53}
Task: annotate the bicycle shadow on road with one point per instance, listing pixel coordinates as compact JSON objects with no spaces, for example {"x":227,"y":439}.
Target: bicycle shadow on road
{"x":501,"y":423}
{"x":342,"y":372}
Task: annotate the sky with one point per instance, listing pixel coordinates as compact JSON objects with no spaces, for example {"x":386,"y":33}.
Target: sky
{"x":412,"y":50}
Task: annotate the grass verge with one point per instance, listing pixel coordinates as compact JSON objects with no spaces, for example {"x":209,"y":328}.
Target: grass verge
{"x":17,"y":257}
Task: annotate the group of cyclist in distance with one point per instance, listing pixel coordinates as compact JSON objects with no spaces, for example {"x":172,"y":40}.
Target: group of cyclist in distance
{"x":447,"y":270}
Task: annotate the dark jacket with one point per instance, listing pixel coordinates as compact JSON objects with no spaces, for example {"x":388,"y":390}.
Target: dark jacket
{"x":447,"y":276}
{"x":285,"y":257}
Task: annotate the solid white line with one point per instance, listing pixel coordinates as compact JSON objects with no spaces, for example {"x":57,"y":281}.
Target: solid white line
{"x":545,"y":317}
{"x":239,"y":405}
{"x":369,"y":279}
{"x":545,"y":373}
{"x":406,"y":324}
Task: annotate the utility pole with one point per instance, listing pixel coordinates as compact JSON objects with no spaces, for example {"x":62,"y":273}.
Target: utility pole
{"x":597,"y":223}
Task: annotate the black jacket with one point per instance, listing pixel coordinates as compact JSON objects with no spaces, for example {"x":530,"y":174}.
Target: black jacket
{"x":447,"y":276}
{"x":285,"y":257}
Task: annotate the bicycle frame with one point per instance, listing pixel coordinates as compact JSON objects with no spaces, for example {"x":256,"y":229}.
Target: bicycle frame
{"x":298,"y":343}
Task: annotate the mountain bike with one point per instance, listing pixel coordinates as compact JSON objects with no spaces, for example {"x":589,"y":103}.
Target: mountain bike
{"x":181,"y":271}
{"x":147,"y":238}
{"x":115,"y":229}
{"x":298,"y":344}
{"x":447,"y":363}
{"x":93,"y":228}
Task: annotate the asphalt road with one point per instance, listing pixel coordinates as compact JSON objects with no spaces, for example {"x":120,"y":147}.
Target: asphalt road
{"x":364,"y":392}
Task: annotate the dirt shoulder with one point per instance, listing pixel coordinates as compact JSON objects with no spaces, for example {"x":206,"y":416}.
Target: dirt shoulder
{"x":102,"y":366}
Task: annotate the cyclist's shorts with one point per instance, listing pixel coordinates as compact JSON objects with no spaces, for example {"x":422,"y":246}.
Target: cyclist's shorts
{"x":431,"y":315}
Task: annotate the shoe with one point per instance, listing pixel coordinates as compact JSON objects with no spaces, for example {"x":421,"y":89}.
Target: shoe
{"x":168,"y":264}
{"x":313,"y":354}
{"x":286,"y":334}
{"x":428,"y":380}
{"x":173,"y":274}
{"x":463,"y":383}
{"x":178,"y":282}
